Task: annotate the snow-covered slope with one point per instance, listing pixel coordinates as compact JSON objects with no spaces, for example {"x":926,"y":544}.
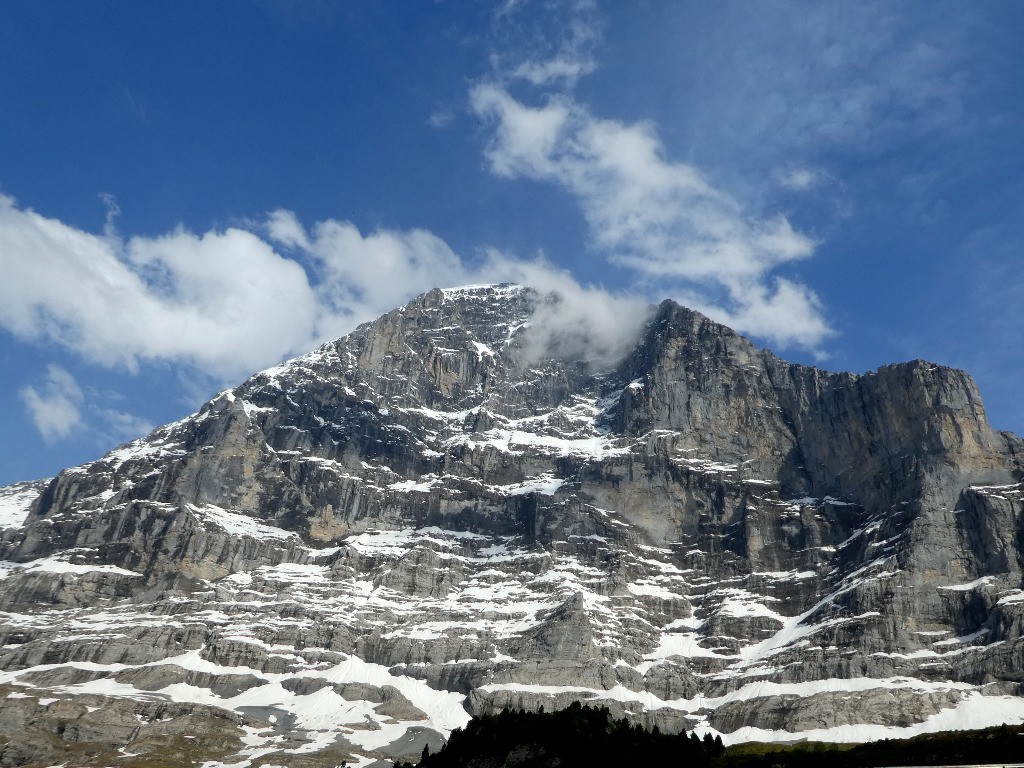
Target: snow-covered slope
{"x":350,"y":554}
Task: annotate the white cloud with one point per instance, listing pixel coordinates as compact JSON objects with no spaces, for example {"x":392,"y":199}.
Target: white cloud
{"x":787,"y":312}
{"x":661,"y":219}
{"x":552,"y":44}
{"x":59,"y":409}
{"x":120,"y":427}
{"x":572,"y":321}
{"x":224,"y":304}
{"x":799,"y":179}
{"x":55,"y":408}
{"x":525,"y":139}
{"x":361,"y":277}
{"x":568,"y":70}
{"x":441,"y":117}
{"x":358,"y":277}
{"x":220,"y":301}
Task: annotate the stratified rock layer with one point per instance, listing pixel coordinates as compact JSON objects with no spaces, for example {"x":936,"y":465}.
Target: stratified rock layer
{"x":351,"y":553}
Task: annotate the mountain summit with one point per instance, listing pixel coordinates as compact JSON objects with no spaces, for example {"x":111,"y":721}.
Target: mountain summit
{"x":351,"y":553}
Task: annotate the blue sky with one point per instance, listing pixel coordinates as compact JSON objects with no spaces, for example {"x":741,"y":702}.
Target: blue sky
{"x":192,"y":191}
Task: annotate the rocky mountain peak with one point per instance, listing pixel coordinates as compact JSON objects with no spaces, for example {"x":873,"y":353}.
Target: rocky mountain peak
{"x":352,"y":552}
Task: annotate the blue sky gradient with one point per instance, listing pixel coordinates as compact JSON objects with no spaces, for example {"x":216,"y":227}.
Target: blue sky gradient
{"x":190,"y":192}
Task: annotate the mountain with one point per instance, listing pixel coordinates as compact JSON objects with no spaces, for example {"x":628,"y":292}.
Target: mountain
{"x":351,"y":553}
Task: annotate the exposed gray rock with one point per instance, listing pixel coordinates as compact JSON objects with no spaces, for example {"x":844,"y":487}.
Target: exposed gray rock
{"x":93,"y":730}
{"x":352,"y":552}
{"x":827,"y":710}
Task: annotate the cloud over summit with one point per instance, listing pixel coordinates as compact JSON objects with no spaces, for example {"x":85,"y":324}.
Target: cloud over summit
{"x":221,"y":303}
{"x":227,"y":303}
{"x":659,"y":220}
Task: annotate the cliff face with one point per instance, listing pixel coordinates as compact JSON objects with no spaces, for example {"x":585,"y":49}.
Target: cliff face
{"x":351,"y":553}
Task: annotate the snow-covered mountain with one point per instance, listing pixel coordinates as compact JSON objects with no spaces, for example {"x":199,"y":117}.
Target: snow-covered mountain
{"x":350,"y":554}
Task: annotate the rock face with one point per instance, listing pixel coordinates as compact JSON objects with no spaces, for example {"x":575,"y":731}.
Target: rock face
{"x":351,"y":553}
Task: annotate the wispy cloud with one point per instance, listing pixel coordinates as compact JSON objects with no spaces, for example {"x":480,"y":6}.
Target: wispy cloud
{"x":135,"y":107}
{"x":60,"y":409}
{"x":992,"y":279}
{"x":660,"y":219}
{"x":799,"y":179}
{"x":880,"y":77}
{"x":55,"y":406}
{"x":441,"y":117}
{"x":120,"y":427}
{"x":799,"y":82}
{"x":549,"y":43}
{"x":573,"y":321}
{"x":229,"y":301}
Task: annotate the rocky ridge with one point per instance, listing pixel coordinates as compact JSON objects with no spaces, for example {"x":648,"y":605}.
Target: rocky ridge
{"x":349,"y":554}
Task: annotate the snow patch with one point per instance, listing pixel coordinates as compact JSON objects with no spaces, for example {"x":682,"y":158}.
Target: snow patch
{"x":15,"y":502}
{"x":238,"y":524}
{"x":60,"y":564}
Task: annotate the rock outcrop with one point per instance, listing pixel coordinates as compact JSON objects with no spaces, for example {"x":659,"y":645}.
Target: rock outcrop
{"x":350,"y":553}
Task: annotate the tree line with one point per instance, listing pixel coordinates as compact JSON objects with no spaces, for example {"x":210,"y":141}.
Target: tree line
{"x":575,"y":737}
{"x":589,"y":737}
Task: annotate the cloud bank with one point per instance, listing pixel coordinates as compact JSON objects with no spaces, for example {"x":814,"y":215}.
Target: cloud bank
{"x":216,"y":301}
{"x":227,"y":303}
{"x":223,"y":302}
